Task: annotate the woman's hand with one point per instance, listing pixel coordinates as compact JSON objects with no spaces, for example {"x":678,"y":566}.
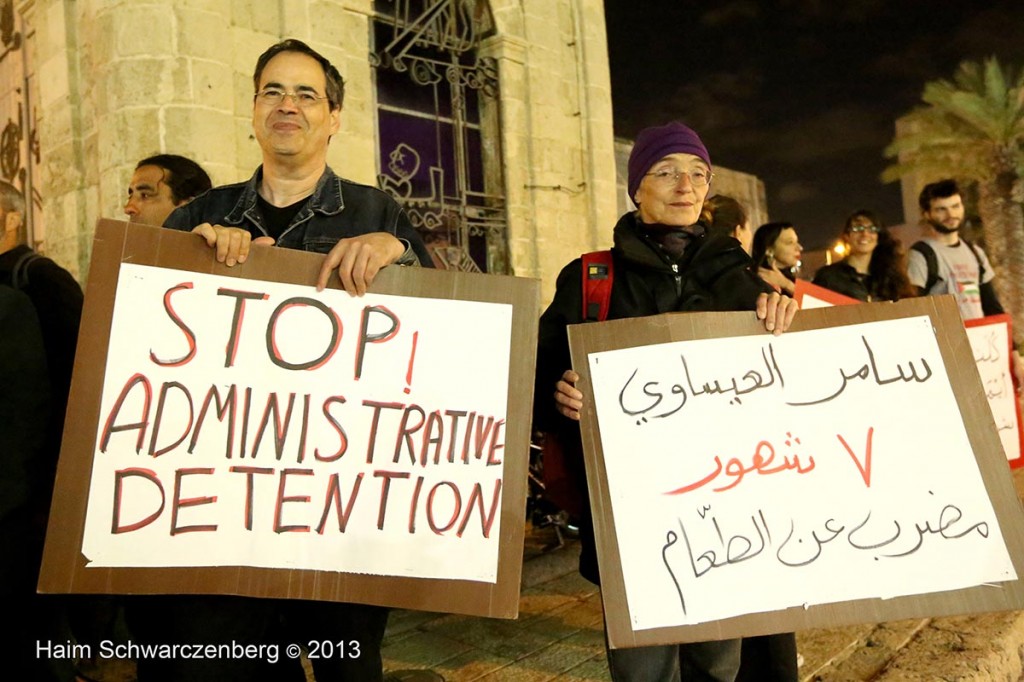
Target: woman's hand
{"x":777,"y":311}
{"x":568,"y":399}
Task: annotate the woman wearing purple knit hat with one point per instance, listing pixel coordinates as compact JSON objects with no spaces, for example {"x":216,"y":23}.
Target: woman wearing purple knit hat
{"x":661,"y":262}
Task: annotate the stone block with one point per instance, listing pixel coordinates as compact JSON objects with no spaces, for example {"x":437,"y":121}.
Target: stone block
{"x":294,"y":20}
{"x":266,"y":18}
{"x":214,"y":84}
{"x":198,"y":132}
{"x":200,"y":33}
{"x":242,"y":92}
{"x":125,"y":136}
{"x":243,"y":13}
{"x":143,"y":30}
{"x":142,"y":81}
{"x":331,"y":23}
{"x":52,"y":84}
{"x":247,"y":150}
{"x":247,"y":46}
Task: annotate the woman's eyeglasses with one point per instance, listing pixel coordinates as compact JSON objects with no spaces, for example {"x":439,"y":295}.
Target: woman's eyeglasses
{"x":857,"y":229}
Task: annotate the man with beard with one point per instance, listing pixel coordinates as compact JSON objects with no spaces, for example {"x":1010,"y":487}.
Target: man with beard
{"x":945,"y":263}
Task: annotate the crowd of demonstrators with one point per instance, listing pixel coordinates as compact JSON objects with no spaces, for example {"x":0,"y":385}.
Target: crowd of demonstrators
{"x":776,"y":253}
{"x":663,"y":262}
{"x":875,"y":266}
{"x":679,"y":251}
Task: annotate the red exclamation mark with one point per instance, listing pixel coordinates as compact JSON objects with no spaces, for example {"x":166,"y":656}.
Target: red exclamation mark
{"x":412,"y":359}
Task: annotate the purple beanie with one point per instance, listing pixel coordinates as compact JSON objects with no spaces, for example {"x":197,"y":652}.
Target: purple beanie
{"x":657,"y":142}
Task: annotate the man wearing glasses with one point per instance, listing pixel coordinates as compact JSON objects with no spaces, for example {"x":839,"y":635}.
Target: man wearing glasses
{"x":293,"y":200}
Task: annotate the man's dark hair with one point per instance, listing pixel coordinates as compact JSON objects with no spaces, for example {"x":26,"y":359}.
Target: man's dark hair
{"x":937,"y":190}
{"x":185,"y":177}
{"x":335,"y":83}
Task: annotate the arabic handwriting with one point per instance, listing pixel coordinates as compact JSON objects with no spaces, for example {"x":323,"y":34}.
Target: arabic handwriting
{"x":870,"y":369}
{"x":760,"y":463}
{"x":660,"y":399}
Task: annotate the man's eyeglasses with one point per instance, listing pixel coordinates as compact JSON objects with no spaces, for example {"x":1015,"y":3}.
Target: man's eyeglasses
{"x":274,"y":96}
{"x":699,"y":177}
{"x":857,"y":229}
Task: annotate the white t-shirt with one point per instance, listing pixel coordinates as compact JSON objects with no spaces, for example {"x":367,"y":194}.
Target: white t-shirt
{"x":958,"y":274}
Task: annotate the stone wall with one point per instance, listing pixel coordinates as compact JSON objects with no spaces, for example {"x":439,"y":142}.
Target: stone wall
{"x":120,"y":80}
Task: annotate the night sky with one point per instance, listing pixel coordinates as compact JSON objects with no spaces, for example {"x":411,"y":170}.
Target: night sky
{"x":802,"y":94}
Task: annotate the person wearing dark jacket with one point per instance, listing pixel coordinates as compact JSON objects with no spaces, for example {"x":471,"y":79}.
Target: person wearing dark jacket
{"x":662,"y":263}
{"x":874,"y":268}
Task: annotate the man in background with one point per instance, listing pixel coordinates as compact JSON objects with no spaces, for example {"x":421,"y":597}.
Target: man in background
{"x":162,"y":183}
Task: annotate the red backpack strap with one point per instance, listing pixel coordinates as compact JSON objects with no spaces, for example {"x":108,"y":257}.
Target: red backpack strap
{"x":598,"y":275}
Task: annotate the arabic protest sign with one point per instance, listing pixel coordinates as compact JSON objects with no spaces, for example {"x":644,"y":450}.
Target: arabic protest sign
{"x":992,"y":345}
{"x":829,"y":469}
{"x":244,"y":422}
{"x":813,"y":296}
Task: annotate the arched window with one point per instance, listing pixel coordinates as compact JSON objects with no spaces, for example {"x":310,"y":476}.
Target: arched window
{"x":438,"y":127}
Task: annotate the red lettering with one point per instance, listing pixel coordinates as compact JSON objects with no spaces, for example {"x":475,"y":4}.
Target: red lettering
{"x":476,"y":496}
{"x":236,"y":322}
{"x":161,"y":401}
{"x":457,"y":498}
{"x":332,"y":346}
{"x":334,"y":496}
{"x":249,"y":473}
{"x":367,"y":338}
{"x":342,"y":436}
{"x":405,"y":433}
{"x":224,"y":408}
{"x":863,"y":467}
{"x":190,"y":336}
{"x":177,"y":503}
{"x":385,"y":491}
{"x":119,"y":477}
{"x":282,"y":498}
{"x":109,"y":428}
{"x":280,"y":427}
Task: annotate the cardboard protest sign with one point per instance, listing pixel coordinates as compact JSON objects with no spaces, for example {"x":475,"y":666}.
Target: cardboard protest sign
{"x":234,"y":431}
{"x":846,"y":471}
{"x":812,"y":296}
{"x":992,"y":344}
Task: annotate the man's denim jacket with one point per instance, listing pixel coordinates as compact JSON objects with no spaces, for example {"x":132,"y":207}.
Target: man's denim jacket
{"x":336,"y":210}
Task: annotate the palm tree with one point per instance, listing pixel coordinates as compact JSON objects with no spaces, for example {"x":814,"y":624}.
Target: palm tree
{"x":972,"y":128}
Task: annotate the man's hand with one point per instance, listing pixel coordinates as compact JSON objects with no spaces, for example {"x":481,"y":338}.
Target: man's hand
{"x":232,"y":243}
{"x":777,"y":311}
{"x":568,"y":399}
{"x":359,"y":259}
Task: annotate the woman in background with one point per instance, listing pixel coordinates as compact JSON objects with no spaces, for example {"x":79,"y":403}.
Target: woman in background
{"x":875,"y":267}
{"x":724,"y":215}
{"x":776,"y":254}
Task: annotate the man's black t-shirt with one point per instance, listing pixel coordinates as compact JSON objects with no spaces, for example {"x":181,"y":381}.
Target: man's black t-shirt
{"x":277,"y":219}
